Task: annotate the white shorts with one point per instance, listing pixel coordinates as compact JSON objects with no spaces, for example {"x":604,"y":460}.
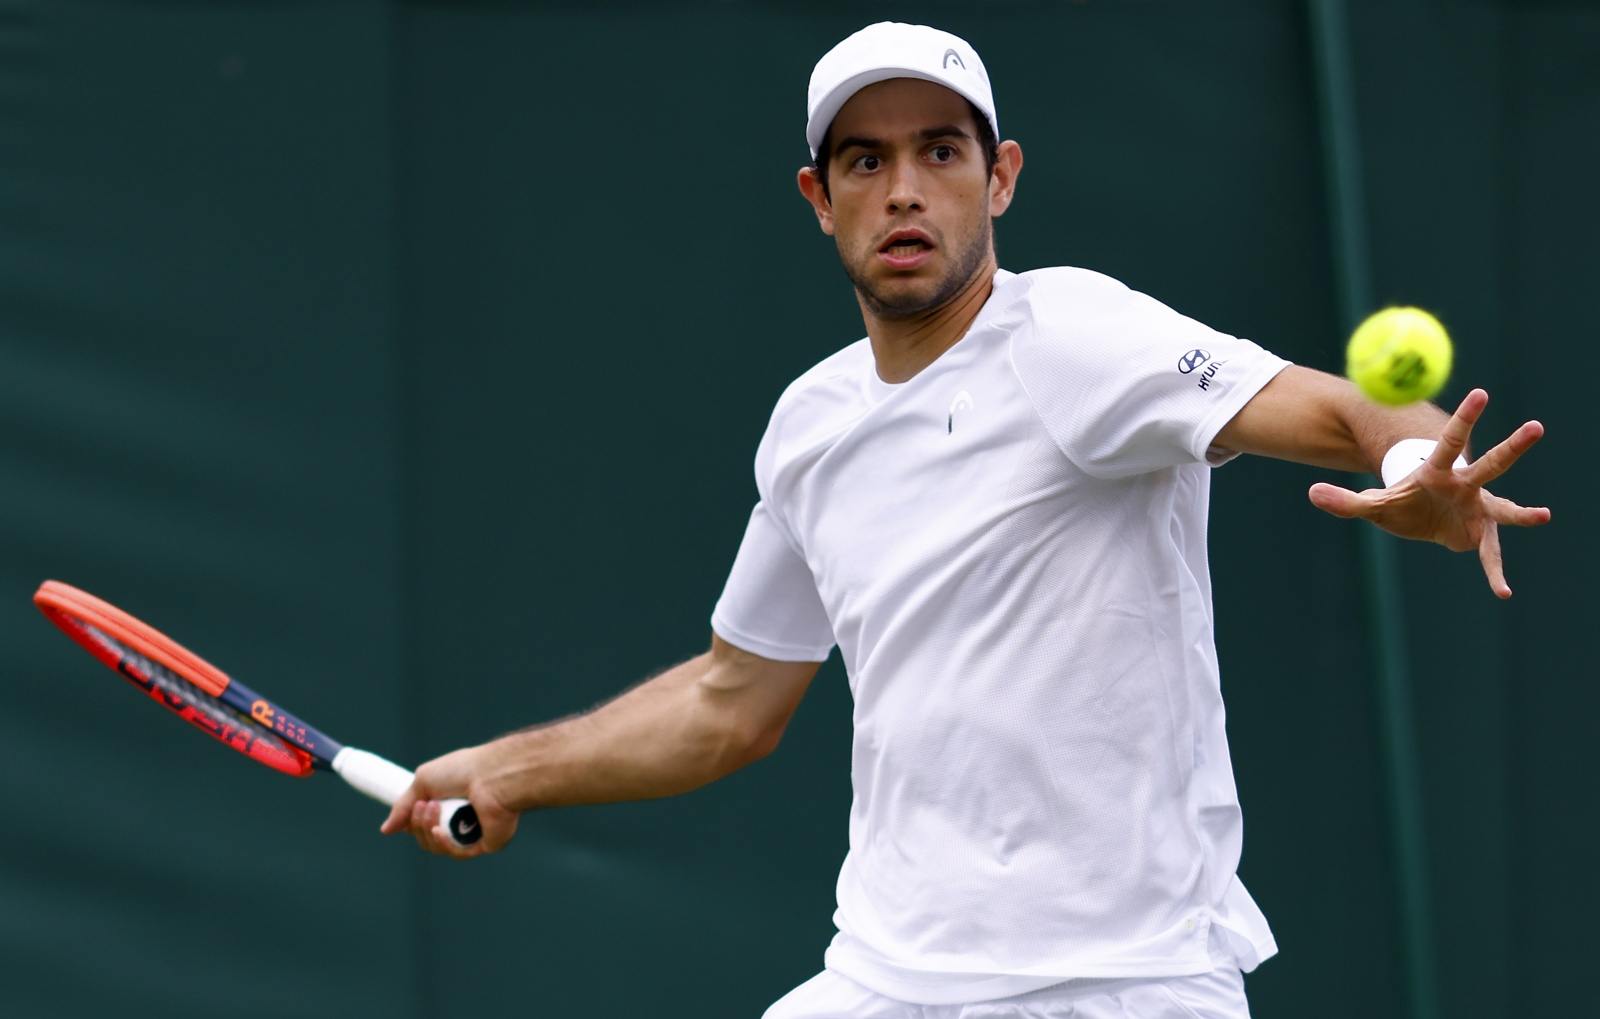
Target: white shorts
{"x":1215,"y":995}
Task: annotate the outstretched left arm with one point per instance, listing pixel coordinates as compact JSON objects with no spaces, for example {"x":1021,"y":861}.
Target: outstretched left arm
{"x":1319,"y":419}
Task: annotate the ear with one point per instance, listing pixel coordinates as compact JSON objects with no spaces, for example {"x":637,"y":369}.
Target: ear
{"x":1003,"y":186}
{"x":811,"y":187}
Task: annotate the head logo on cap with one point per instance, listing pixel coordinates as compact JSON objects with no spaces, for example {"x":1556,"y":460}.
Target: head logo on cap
{"x":892,"y":50}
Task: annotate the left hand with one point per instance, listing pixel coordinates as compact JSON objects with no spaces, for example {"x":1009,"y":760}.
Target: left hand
{"x":1439,"y":503}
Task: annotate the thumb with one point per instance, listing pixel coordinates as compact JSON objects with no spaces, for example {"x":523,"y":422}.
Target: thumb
{"x":1341,"y":502}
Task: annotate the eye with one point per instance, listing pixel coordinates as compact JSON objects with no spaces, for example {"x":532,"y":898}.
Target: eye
{"x":866,"y":163}
{"x":942,"y":153}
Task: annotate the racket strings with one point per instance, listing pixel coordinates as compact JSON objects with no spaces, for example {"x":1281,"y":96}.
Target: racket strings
{"x":200,"y":709}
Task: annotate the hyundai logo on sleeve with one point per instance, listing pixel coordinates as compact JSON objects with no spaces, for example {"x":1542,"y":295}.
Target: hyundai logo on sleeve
{"x":1192,"y":360}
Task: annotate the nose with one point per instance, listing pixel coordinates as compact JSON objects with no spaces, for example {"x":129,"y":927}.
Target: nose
{"x":905,"y":187}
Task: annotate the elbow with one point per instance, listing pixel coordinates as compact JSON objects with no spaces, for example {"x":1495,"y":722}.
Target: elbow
{"x":760,"y":743}
{"x":743,"y":744}
{"x":748,"y":702}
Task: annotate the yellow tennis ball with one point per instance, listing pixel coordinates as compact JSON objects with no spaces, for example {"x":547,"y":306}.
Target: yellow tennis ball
{"x":1399,"y":355}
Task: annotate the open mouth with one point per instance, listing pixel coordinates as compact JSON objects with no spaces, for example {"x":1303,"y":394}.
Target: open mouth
{"x":906,"y":244}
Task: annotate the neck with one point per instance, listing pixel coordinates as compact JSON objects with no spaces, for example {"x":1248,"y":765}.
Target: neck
{"x":903,"y":346}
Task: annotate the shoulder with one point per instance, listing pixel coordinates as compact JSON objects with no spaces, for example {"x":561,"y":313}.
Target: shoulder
{"x":828,"y":397}
{"x":1091,"y":323}
{"x":1123,"y":382}
{"x":815,"y":409}
{"x":831,"y":381}
{"x":1059,"y":283}
{"x":1067,"y":301}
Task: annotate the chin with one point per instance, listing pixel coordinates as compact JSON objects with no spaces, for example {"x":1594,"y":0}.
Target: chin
{"x":904,"y":297}
{"x":901,"y":302}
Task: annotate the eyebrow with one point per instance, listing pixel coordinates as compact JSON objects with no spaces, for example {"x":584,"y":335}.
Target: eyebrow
{"x":927,"y":134}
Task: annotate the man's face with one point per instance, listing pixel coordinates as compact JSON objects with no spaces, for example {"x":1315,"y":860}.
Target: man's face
{"x":909,"y":196}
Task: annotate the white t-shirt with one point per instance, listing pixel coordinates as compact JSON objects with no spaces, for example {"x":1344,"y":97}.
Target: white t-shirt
{"x":1009,"y":551}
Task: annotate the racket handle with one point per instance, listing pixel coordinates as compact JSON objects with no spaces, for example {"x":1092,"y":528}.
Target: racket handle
{"x":461,"y":821}
{"x":384,"y":781}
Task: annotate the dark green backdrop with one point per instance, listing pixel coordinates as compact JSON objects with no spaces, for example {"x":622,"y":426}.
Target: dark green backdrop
{"x":407,"y":360}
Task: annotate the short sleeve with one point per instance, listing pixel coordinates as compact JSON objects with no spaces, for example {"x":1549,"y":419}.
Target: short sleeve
{"x":770,"y":606}
{"x":1124,"y":384}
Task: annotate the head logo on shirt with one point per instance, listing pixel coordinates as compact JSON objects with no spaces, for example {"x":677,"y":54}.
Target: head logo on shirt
{"x":1192,"y":360}
{"x":963,"y":401}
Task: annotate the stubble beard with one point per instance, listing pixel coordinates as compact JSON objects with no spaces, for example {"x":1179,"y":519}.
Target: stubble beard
{"x":964,"y":266}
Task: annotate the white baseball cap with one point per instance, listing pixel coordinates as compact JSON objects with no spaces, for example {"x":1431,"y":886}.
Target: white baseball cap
{"x":892,"y":50}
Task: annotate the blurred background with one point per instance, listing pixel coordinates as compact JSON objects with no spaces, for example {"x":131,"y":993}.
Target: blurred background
{"x":406,"y":359}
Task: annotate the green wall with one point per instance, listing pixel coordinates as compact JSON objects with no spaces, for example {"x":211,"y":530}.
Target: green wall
{"x":407,"y":359}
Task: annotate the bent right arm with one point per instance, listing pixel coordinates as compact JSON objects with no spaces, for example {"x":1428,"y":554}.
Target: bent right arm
{"x":689,"y":726}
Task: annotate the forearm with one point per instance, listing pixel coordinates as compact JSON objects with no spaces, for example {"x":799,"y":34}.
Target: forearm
{"x":684,"y":728}
{"x":1372,"y":429}
{"x":1323,"y":420}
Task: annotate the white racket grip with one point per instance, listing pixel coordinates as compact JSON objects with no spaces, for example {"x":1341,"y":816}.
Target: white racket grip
{"x":380,"y":779}
{"x":384,"y":781}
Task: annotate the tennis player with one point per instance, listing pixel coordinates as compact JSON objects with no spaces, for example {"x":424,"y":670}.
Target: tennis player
{"x":994,"y":505}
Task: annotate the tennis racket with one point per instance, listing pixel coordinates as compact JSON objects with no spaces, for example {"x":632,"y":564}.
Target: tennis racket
{"x":210,"y":700}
